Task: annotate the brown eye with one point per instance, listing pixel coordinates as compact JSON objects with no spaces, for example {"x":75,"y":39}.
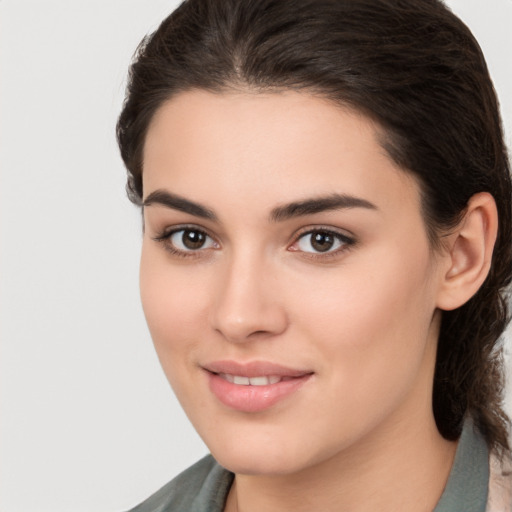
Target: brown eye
{"x":186,"y":240}
{"x":193,"y":239}
{"x":322,"y":241}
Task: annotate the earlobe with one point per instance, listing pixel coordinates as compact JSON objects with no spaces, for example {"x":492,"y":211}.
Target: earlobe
{"x":468,"y":258}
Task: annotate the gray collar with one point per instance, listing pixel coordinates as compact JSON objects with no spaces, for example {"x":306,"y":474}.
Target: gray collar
{"x":467,"y":486}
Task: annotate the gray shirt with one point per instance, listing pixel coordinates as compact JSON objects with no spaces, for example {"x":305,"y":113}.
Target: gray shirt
{"x":204,"y":486}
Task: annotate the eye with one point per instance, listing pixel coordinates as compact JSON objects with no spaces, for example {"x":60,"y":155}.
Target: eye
{"x":186,"y":241}
{"x":321,"y":241}
{"x":190,"y":240}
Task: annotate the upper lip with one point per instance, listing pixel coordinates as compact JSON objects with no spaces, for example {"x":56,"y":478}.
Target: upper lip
{"x":254,"y":369}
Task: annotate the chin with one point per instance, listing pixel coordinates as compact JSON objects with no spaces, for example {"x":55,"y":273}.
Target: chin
{"x":251,"y":465}
{"x":261,"y":457}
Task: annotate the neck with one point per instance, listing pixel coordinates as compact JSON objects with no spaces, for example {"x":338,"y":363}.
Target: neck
{"x":407,"y":470}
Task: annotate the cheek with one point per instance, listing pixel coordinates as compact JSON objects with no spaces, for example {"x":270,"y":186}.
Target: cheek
{"x":371,"y":313}
{"x":173,"y":305}
{"x":371,"y":331}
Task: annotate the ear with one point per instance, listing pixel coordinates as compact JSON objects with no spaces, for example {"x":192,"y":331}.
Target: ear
{"x":469,"y":254}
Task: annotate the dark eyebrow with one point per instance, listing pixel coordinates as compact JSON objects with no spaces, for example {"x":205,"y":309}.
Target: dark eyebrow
{"x":164,"y":198}
{"x":280,"y":213}
{"x":317,"y":205}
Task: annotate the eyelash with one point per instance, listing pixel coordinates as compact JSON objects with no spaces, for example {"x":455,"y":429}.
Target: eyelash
{"x":346,"y":242}
{"x":165,"y":239}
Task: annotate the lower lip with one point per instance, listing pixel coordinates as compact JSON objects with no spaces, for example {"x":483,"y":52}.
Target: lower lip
{"x":253,"y":398}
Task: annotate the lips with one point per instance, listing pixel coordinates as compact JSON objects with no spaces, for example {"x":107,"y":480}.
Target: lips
{"x":252,"y":381}
{"x":255,"y":386}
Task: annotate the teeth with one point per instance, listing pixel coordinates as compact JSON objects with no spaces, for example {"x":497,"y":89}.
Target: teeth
{"x":251,"y":381}
{"x":259,"y":381}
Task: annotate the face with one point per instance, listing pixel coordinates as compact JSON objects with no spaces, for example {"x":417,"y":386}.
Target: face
{"x":286,"y":278}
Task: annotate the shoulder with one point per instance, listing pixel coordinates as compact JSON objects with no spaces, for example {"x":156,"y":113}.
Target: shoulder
{"x":203,"y":486}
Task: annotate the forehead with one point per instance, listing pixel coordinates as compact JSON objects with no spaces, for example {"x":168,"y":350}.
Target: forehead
{"x":277,"y":146}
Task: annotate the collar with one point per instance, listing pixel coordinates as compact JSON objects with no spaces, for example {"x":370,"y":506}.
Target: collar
{"x":467,"y":486}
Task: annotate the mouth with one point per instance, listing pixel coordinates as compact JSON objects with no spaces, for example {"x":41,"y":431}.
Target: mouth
{"x":253,"y":387}
{"x":264,"y":380}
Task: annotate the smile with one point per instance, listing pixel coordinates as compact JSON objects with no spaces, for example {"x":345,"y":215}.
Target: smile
{"x":240,"y":380}
{"x":253,"y":387}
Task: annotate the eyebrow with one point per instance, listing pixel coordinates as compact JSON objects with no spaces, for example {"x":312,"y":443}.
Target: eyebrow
{"x":278,"y":214}
{"x":164,"y":198}
{"x":318,"y":205}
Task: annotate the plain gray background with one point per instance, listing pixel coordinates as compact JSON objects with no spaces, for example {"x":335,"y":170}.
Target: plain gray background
{"x":88,"y":422}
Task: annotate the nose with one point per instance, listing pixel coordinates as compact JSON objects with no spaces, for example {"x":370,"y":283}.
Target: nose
{"x":247,"y":305}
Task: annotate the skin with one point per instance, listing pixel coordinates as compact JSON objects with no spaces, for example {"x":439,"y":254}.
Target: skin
{"x":362,"y":318}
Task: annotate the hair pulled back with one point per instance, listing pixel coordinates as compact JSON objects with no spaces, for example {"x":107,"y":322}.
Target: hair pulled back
{"x":414,"y":68}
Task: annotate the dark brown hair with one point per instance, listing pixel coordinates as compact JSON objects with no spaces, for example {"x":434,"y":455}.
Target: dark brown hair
{"x":414,"y":68}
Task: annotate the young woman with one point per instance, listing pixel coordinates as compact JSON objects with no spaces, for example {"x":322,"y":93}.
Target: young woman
{"x":327,"y":246}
